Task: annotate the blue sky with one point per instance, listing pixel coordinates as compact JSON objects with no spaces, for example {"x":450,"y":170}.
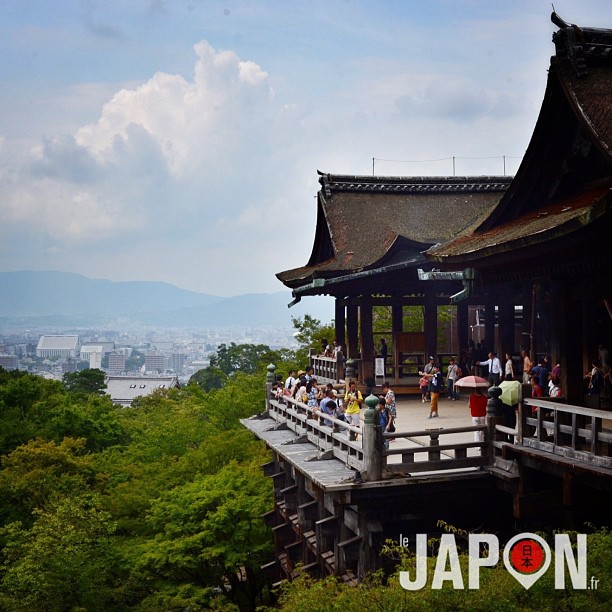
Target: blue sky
{"x":179,"y":140}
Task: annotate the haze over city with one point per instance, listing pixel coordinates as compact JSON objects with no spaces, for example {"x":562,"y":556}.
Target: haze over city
{"x":179,"y":141}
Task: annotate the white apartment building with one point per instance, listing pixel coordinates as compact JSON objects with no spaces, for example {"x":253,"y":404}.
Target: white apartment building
{"x":63,"y":347}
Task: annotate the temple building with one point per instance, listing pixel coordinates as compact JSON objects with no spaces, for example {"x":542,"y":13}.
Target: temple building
{"x":549,"y":232}
{"x":409,"y":259}
{"x":424,"y":263}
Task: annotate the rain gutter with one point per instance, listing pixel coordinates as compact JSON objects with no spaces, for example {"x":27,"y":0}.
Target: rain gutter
{"x":318,"y":283}
{"x":466,"y":276}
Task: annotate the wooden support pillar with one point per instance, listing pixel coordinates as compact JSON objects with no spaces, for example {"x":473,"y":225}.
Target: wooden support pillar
{"x":367,"y":342}
{"x":308,"y":513}
{"x":571,"y":354}
{"x":557,"y":327}
{"x":325,"y":530}
{"x":352,"y":316}
{"x":431,"y":324}
{"x":397,"y":327}
{"x":490,"y":324}
{"x":567,"y":493}
{"x":302,"y":493}
{"x":506,"y":329}
{"x":589,"y":335}
{"x":341,"y":535}
{"x":463,"y":330}
{"x":397,"y":318}
{"x":340,"y":322}
{"x":366,"y":552}
{"x":533,"y":329}
{"x":526,"y":327}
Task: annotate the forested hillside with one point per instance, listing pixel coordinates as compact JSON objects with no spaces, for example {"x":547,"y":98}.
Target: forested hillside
{"x":157,"y":507}
{"x":151,"y":508}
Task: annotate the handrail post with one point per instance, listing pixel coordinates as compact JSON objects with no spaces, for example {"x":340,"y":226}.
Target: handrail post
{"x":270,"y":379}
{"x":434,"y":440}
{"x":340,"y":366}
{"x":372,"y":441}
{"x":351,"y":369}
{"x":495,"y":416}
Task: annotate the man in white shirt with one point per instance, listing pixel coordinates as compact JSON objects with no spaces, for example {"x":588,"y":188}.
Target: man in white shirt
{"x":495,"y":369}
{"x":291,"y":380}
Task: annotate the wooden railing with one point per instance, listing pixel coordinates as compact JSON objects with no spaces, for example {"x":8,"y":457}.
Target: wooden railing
{"x":363,"y":448}
{"x":304,"y":421}
{"x":450,"y":456}
{"x":328,"y":369}
{"x":570,"y":431}
{"x":581,"y":434}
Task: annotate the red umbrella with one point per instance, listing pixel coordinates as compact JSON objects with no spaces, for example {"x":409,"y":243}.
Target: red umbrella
{"x":472,"y":382}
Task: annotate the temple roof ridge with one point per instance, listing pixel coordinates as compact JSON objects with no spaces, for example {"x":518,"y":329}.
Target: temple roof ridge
{"x":582,"y":46}
{"x":411,"y":184}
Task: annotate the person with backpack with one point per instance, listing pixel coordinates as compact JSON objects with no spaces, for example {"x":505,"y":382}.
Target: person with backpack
{"x":353,"y":400}
{"x":424,"y":387}
{"x":436,"y":384}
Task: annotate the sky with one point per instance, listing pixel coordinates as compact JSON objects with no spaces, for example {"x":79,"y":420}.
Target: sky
{"x":179,"y":140}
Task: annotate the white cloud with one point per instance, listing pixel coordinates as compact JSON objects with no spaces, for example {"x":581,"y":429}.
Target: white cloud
{"x":194,"y":123}
{"x":251,"y":73}
{"x":169,"y":161}
{"x":201,"y":169}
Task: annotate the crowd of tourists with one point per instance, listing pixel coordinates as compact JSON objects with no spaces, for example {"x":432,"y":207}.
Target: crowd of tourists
{"x":343,"y":404}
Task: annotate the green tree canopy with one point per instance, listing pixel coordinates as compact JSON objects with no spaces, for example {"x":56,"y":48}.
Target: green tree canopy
{"x":208,"y":532}
{"x":82,"y":520}
{"x":86,"y":381}
{"x":310,"y":335}
{"x":41,"y":472}
{"x":209,"y":378}
{"x":64,"y":561}
{"x":26,"y":402}
{"x":246,"y":358}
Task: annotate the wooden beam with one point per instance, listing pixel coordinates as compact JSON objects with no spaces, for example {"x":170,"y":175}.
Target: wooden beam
{"x":462,"y":325}
{"x":340,"y":322}
{"x":431,"y":325}
{"x":352,"y":329}
{"x":367,"y":342}
{"x":536,"y":504}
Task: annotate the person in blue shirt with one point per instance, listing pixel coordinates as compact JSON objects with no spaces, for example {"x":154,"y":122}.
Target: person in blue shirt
{"x":385,"y":417}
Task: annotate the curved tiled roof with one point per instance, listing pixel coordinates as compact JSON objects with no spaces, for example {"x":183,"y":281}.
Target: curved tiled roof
{"x":369,"y":221}
{"x":571,"y":147}
{"x":592,"y":100}
{"x":530,"y":230}
{"x":367,"y":224}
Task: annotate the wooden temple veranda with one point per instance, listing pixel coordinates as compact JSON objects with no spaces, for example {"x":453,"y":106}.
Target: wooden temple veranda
{"x":338,"y":500}
{"x":529,"y":253}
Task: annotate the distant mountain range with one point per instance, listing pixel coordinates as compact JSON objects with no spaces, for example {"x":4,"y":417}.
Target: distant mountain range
{"x":63,"y":298}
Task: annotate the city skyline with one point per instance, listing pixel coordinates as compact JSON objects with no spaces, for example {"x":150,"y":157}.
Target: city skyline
{"x":179,"y":141}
